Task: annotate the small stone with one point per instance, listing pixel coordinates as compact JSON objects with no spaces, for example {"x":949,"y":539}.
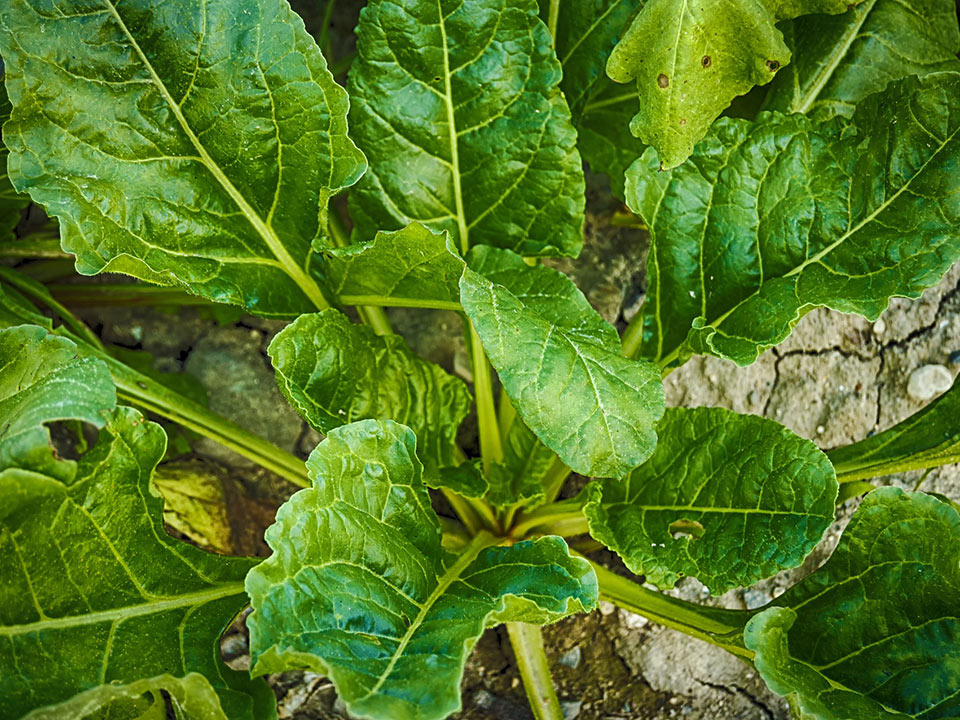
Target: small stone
{"x":754,"y":598}
{"x":820,"y":429}
{"x":607,"y":608}
{"x":879,"y":327}
{"x":954,"y":357}
{"x":571,"y":708}
{"x":632,"y":620}
{"x":461,"y":365}
{"x":571,"y":658}
{"x":927,"y":382}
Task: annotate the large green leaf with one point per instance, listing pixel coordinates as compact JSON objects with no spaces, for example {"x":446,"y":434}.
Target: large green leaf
{"x":771,"y":219}
{"x":335,"y":372}
{"x":519,"y":477}
{"x":690,"y":58}
{"x":191,"y":698}
{"x":457,"y":106}
{"x":190,"y":143}
{"x":560,"y":364}
{"x":11,"y":203}
{"x":412,"y":267}
{"x":43,"y":380}
{"x":926,"y":439}
{"x":358,"y":587}
{"x":96,"y":592}
{"x":840,"y":59}
{"x":874,"y":634}
{"x":729,"y":499}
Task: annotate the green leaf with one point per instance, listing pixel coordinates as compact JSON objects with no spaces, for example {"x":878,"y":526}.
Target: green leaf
{"x":840,"y":59}
{"x":519,"y":478}
{"x":458,"y":108}
{"x":874,"y":633}
{"x":194,"y":503}
{"x":926,"y":439}
{"x":335,"y":372}
{"x":560,"y":364}
{"x":176,"y":147}
{"x":412,"y":267}
{"x":191,"y":697}
{"x":690,"y":58}
{"x":771,"y":219}
{"x":729,"y":499}
{"x":359,"y":588}
{"x":96,"y":592}
{"x":11,"y":203}
{"x":43,"y":380}
{"x":465,"y":479}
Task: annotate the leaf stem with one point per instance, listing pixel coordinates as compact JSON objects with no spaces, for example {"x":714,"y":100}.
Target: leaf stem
{"x":527,"y":642}
{"x":491,"y":448}
{"x":371,"y":315}
{"x":633,"y":336}
{"x":564,"y":518}
{"x":552,"y":18}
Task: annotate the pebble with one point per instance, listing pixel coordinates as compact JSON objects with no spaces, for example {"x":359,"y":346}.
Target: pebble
{"x":607,"y":608}
{"x":927,"y":382}
{"x":571,"y":708}
{"x":879,"y":327}
{"x":571,"y":658}
{"x":632,"y":620}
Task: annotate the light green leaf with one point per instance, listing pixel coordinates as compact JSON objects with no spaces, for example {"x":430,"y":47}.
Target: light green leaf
{"x":729,"y":499}
{"x":458,"y":108}
{"x":926,"y":439}
{"x":194,"y":503}
{"x":96,"y":592}
{"x":840,"y":59}
{"x":690,"y":58}
{"x":192,"y":143}
{"x":560,"y":364}
{"x":335,"y":372}
{"x":11,"y":203}
{"x":412,"y":267}
{"x":518,"y":479}
{"x":43,"y":380}
{"x":191,"y":697}
{"x":359,"y":588}
{"x":465,"y":479}
{"x":874,"y":634}
{"x":771,"y":219}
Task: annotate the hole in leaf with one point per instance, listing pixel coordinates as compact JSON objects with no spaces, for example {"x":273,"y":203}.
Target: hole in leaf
{"x":70,"y":439}
{"x":773,"y":65}
{"x":663,"y":81}
{"x":686,"y":528}
{"x":706,"y":61}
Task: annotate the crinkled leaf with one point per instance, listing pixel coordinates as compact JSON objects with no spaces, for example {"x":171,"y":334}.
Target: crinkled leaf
{"x":95,"y":591}
{"x":926,"y":439}
{"x":412,"y":267}
{"x":519,"y":478}
{"x":690,"y":58}
{"x":11,"y":203}
{"x":457,"y":106}
{"x":729,"y":499}
{"x":840,"y":59}
{"x":358,"y":587}
{"x":771,"y":219}
{"x":335,"y":372}
{"x":194,"y":503}
{"x":874,"y":634}
{"x":465,"y":479}
{"x":560,"y":364}
{"x":184,"y":143}
{"x":191,"y":698}
{"x":43,"y":380}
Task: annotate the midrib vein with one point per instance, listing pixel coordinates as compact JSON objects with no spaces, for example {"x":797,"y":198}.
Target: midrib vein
{"x":130,"y":611}
{"x":290,"y":267}
{"x":452,"y":127}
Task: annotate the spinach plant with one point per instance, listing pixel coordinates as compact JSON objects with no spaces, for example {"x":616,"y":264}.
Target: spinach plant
{"x":196,"y":146}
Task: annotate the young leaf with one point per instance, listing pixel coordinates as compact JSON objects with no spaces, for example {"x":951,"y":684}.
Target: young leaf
{"x":560,"y":364}
{"x":840,"y":59}
{"x":192,"y":144}
{"x":729,"y":499}
{"x":43,"y":380}
{"x":689,"y":59}
{"x":412,"y":267}
{"x":519,"y":477}
{"x":771,"y":219}
{"x":929,"y":438}
{"x":11,"y":203}
{"x":96,"y":592}
{"x":458,"y":108}
{"x":873,"y":633}
{"x":358,"y":587}
{"x":335,"y":372}
{"x":191,"y":697}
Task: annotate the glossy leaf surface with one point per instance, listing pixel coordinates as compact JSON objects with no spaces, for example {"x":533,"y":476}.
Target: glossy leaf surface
{"x":729,"y":499}
{"x":95,"y":591}
{"x":42,"y":380}
{"x":840,"y":59}
{"x":11,"y":203}
{"x":457,"y":106}
{"x":184,"y":143}
{"x":359,"y":588}
{"x":874,"y":634}
{"x":335,"y":372}
{"x":561,"y":366}
{"x":770,"y":219}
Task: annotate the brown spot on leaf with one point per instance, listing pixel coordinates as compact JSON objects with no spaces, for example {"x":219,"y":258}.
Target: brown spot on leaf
{"x":773,"y":65}
{"x":683,"y":121}
{"x":706,"y":61}
{"x":663,"y":81}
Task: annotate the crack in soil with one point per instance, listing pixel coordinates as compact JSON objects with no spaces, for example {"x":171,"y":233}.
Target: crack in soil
{"x":737,"y":691}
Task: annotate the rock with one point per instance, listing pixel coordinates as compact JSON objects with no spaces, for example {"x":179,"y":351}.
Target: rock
{"x":929,"y":381}
{"x":571,"y":658}
{"x":571,"y":708}
{"x":632,"y":620}
{"x":879,"y":327}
